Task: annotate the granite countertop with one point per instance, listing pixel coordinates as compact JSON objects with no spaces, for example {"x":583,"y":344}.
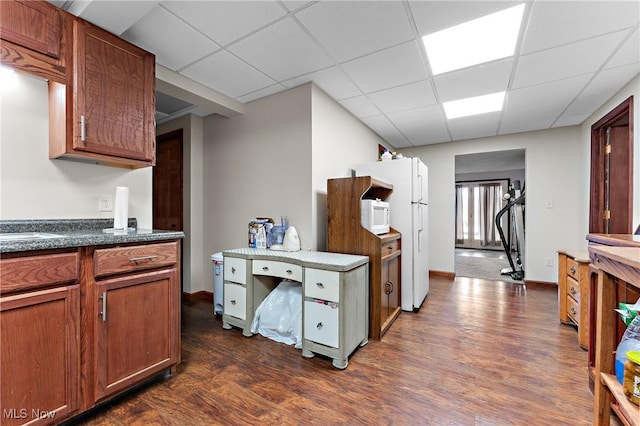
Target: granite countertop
{"x":331,"y":261}
{"x":68,"y":233}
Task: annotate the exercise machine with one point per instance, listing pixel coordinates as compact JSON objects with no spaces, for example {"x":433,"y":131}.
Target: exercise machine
{"x":515,"y":208}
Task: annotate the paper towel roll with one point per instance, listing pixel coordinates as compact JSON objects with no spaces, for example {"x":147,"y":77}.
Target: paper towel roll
{"x":121,"y":208}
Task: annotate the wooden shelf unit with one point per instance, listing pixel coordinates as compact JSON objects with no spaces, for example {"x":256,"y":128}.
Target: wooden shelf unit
{"x":345,"y":234}
{"x":573,"y":292}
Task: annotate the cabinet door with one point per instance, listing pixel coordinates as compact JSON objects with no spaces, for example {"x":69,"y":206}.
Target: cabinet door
{"x":114,"y":102}
{"x":40,"y":355}
{"x":389,"y":291}
{"x":34,"y":25}
{"x":137,"y":331}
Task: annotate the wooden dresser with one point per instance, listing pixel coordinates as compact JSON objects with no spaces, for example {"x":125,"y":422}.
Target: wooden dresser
{"x":573,"y":292}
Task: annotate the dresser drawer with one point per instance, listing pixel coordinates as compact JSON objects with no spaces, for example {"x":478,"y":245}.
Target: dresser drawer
{"x":321,"y":323}
{"x":573,"y":289}
{"x":235,"y":270}
{"x":235,"y":300}
{"x":390,"y":247}
{"x":277,"y":269}
{"x":573,"y":309}
{"x":30,"y":272}
{"x":572,"y":269}
{"x":134,"y":258}
{"x":321,"y":284}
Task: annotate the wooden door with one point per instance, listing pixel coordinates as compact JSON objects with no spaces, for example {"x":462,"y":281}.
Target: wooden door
{"x":390,"y":291}
{"x":611,"y":199}
{"x":167,"y":182}
{"x":40,"y":355}
{"x":137,"y":329}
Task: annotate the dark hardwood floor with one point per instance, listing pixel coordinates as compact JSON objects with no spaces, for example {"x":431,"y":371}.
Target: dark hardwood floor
{"x":477,"y":353}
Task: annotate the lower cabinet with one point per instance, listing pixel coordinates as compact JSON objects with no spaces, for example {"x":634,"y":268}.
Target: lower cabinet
{"x":390,"y":297}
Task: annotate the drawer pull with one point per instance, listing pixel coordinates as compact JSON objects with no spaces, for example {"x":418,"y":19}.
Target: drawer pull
{"x":103,"y":313}
{"x":233,"y":270}
{"x":289,"y":271}
{"x":319,"y":285}
{"x":233,"y":302}
{"x":573,"y":310}
{"x":573,"y":270}
{"x":265,"y":268}
{"x":319,"y":326}
{"x":573,"y":290}
{"x":143,"y":258}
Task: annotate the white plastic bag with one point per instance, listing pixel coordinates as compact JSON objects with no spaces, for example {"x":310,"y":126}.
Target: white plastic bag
{"x":279,"y":316}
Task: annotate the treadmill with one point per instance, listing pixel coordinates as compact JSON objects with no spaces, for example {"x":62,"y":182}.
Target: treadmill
{"x":515,"y":208}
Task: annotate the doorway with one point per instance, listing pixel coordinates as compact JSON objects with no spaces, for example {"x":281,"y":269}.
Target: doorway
{"x":611,"y":186}
{"x":167,"y":182}
{"x":477,"y":204}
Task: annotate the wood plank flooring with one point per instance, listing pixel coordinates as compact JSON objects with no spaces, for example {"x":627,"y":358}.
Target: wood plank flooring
{"x":477,"y":353}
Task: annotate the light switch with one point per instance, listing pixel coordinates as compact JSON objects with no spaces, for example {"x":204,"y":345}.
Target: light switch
{"x":549,"y":204}
{"x":105,"y":203}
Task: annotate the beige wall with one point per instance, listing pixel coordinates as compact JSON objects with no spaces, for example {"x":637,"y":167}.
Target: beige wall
{"x":196,"y":270}
{"x":34,"y":187}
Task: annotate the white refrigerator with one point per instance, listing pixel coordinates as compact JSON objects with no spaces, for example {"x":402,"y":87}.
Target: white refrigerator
{"x":409,"y":210}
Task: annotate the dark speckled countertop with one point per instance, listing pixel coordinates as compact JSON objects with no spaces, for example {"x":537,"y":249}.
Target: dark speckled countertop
{"x":76,"y":233}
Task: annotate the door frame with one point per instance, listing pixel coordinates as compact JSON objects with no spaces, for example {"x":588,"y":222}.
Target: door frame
{"x":598,"y":140}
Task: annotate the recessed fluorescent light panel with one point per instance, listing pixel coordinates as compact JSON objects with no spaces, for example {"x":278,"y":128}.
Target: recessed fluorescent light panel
{"x":474,"y":106}
{"x":474,"y":42}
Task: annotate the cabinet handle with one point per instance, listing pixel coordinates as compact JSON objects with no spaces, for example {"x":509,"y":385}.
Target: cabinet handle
{"x":265,"y":268}
{"x":83,"y":126}
{"x":233,"y":270}
{"x":143,"y":258}
{"x":319,"y":285}
{"x":103,"y":313}
{"x":388,"y":287}
{"x":233,"y":302}
{"x":289,"y":271}
{"x":573,"y":270}
{"x":573,"y":290}
{"x":319,"y":326}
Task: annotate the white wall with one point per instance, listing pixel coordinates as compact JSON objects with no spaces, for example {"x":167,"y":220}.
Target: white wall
{"x":34,"y":187}
{"x":340,"y":141}
{"x":493,"y":175}
{"x":196,"y":268}
{"x":554,"y":171}
{"x":631,"y":89}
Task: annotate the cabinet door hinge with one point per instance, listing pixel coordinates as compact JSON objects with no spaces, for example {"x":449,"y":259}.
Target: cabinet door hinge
{"x":607,"y":149}
{"x":607,"y":214}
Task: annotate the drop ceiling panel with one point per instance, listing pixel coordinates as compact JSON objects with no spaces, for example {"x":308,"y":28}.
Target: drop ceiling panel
{"x":587,"y":104}
{"x":360,"y":106}
{"x":554,"y":23}
{"x":611,"y":80}
{"x":226,"y":21}
{"x":383,"y":127}
{"x":176,"y":45}
{"x":378,"y":25}
{"x":540,"y":115}
{"x":261,"y":93}
{"x":331,"y":80}
{"x":552,"y":92}
{"x":388,"y":68}
{"x":474,"y":81}
{"x":405,"y":97}
{"x":566,"y":61}
{"x":421,"y":126}
{"x":228,"y":75}
{"x":116,"y":16}
{"x":282,"y":51}
{"x":475,"y":126}
{"x":629,"y":52}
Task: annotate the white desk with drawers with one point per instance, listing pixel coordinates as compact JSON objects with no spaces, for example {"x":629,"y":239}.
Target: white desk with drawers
{"x":335,"y":294}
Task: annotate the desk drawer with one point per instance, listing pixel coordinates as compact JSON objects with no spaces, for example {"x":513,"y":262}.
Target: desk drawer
{"x":235,"y":300}
{"x":277,"y":269}
{"x":390,"y":247}
{"x":134,"y":258}
{"x":572,"y":269}
{"x":573,"y":289}
{"x":321,"y":284}
{"x":573,"y":309}
{"x":321,"y":323}
{"x":29,"y":272}
{"x":235,"y":270}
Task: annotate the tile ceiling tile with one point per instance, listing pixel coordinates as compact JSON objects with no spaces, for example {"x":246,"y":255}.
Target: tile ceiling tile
{"x":176,"y":45}
{"x":554,"y":23}
{"x":116,"y":16}
{"x":282,"y":51}
{"x":383,"y":127}
{"x":432,"y":16}
{"x":548,"y":111}
{"x":261,"y":93}
{"x":611,"y":80}
{"x":565,"y":61}
{"x":588,"y":104}
{"x":629,"y":52}
{"x":228,"y":75}
{"x":400,"y":98}
{"x":388,"y":68}
{"x":552,"y":92}
{"x":475,"y":81}
{"x":570,"y":120}
{"x":474,"y":127}
{"x":360,"y":106}
{"x":331,"y":80}
{"x":226,"y":21}
{"x":368,"y":26}
{"x":422,"y":126}
{"x":524,"y":126}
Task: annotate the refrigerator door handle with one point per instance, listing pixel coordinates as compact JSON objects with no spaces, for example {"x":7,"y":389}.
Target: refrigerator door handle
{"x":421,"y":180}
{"x":421,"y":228}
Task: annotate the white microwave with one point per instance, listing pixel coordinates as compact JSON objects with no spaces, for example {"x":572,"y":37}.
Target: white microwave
{"x":375,"y":216}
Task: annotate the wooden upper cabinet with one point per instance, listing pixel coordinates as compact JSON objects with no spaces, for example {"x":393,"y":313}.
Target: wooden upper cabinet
{"x":33,"y":37}
{"x":110,"y":110}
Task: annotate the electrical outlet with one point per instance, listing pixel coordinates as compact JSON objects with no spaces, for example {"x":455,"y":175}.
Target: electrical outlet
{"x":105,"y":203}
{"x":548,"y":261}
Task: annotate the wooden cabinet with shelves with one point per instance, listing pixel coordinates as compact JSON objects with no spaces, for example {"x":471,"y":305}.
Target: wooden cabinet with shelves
{"x":345,"y":234}
{"x":108,"y":103}
{"x":573,"y":292}
{"x":40,"y":349}
{"x":34,"y":38}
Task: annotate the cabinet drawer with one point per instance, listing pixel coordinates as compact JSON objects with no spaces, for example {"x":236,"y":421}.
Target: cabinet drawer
{"x":277,"y":269}
{"x":390,"y":247}
{"x":235,"y":270}
{"x":235,"y":300}
{"x":38,"y":271}
{"x":573,"y":309}
{"x":573,"y":289}
{"x":321,"y":323}
{"x":134,"y":258}
{"x":572,"y":269}
{"x":320,"y":284}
